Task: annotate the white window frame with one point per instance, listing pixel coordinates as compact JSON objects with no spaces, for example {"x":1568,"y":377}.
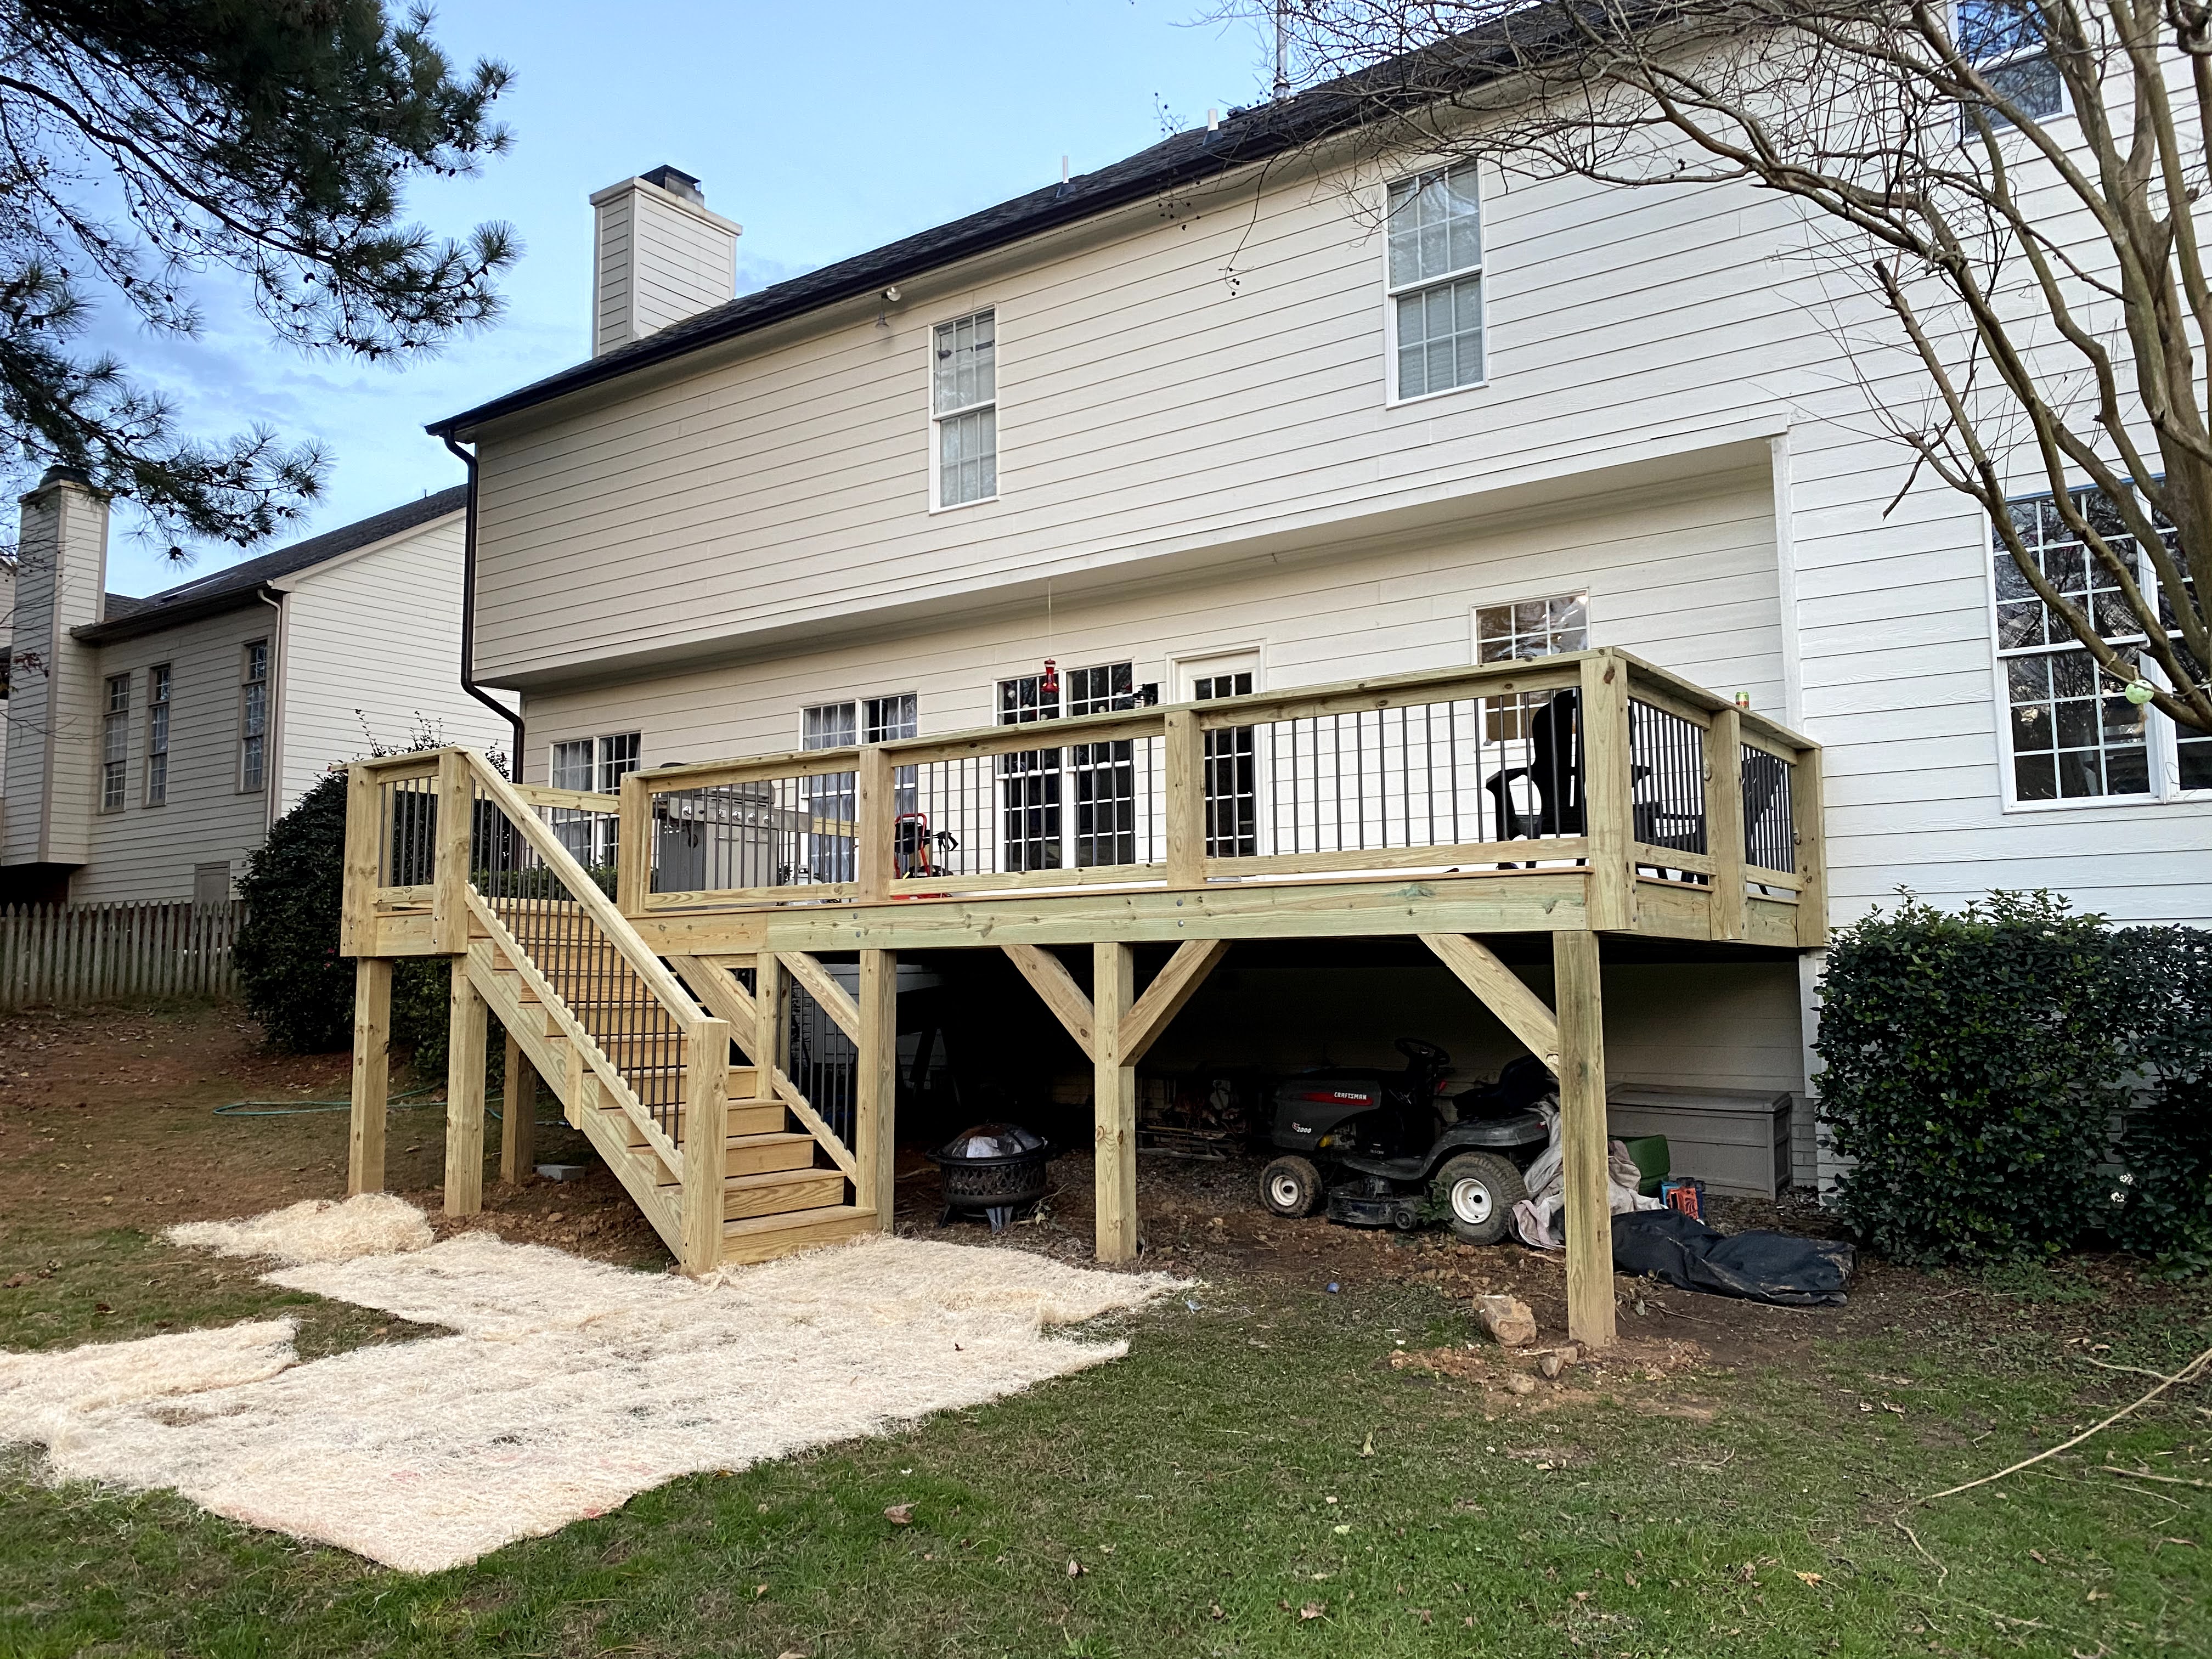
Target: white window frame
{"x":1392,"y":293}
{"x":2005,"y":60}
{"x":590,"y":838}
{"x":115,"y":743}
{"x":161,"y":693}
{"x":247,"y":680}
{"x":2160,"y":756}
{"x":937,"y":417}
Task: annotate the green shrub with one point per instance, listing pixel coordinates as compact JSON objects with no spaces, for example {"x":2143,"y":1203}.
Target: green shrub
{"x":2164,"y":1190}
{"x":1974,"y":1066}
{"x":294,"y":980}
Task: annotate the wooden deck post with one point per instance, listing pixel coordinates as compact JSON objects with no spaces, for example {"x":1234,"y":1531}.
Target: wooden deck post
{"x":364,"y":834}
{"x":876,"y":1106}
{"x":633,"y":844}
{"x":875,"y":809}
{"x":1724,"y":820}
{"x":1583,"y":1138}
{"x":449,"y":891}
{"x":518,"y":1116}
{"x":706,"y":1135}
{"x":1185,"y":770}
{"x":1606,"y":810}
{"x":1112,"y":989}
{"x":371,"y":1073}
{"x":464,"y":1094}
{"x":771,"y":1049}
{"x":1805,"y":813}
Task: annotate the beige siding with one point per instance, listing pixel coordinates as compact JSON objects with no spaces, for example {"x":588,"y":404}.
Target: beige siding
{"x":145,"y":852}
{"x":373,"y":655}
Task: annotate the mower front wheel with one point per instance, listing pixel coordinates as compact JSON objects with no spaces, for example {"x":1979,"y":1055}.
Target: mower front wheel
{"x":1291,"y":1187}
{"x":1478,"y":1191}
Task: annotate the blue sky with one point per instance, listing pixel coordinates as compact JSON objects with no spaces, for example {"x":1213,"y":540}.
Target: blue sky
{"x":823,"y":129}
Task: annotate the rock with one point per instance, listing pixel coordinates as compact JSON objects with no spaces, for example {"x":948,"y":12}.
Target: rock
{"x":1551,"y":1364}
{"x":1520,"y":1382}
{"x":1508,"y":1319}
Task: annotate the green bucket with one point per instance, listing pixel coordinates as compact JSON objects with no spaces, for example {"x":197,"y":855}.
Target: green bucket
{"x":1650,"y":1152}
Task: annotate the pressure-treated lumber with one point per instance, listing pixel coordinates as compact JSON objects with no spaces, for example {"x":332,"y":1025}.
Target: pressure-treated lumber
{"x":1805,"y":812}
{"x":1049,"y":977}
{"x":1582,"y":1138}
{"x":875,"y":1099}
{"x":518,"y":1116}
{"x":706,"y":1128}
{"x":1184,"y":767}
{"x":371,"y":1073}
{"x":1499,"y":990}
{"x":364,"y":829}
{"x":449,"y":884}
{"x":633,"y":844}
{"x":1113,"y":986}
{"x":1606,"y":792}
{"x":1724,"y":820}
{"x":715,"y":986}
{"x":1164,"y":998}
{"x":875,"y":807}
{"x":823,"y":989}
{"x":464,"y":1094}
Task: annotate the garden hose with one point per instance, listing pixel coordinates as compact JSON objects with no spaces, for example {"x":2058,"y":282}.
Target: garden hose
{"x":298,"y":1108}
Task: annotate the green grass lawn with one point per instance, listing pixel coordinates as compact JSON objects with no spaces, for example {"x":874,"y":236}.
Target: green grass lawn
{"x":1254,"y":1479}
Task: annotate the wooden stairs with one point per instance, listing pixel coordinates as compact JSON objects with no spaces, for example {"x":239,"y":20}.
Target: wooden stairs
{"x":591,"y":1027}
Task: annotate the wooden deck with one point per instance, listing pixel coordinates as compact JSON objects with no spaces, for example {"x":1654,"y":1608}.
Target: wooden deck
{"x":1576,"y":796}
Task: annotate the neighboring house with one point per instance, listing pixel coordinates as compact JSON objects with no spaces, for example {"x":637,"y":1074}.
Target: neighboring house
{"x":151,"y":742}
{"x":1238,"y":414}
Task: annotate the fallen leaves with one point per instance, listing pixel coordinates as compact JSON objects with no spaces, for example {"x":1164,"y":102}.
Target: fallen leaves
{"x":900,"y":1515}
{"x":1075,"y":1568}
{"x":1313,"y":1610}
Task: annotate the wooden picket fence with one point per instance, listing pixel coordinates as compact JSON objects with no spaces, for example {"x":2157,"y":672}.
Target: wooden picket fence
{"x":81,"y":953}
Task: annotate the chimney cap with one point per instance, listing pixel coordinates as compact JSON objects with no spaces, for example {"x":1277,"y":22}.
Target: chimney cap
{"x":62,"y":472}
{"x":676,"y":182}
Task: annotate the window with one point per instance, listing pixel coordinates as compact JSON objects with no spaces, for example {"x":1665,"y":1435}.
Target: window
{"x":1434,"y":226}
{"x":2071,"y":733}
{"x":830,"y":801}
{"x":592,"y":766}
{"x":115,"y":743}
{"x":254,"y":718}
{"x":157,"y":735}
{"x":2003,"y":39}
{"x":1099,"y":779}
{"x":1526,"y":628}
{"x":1232,"y":781}
{"x":963,"y":402}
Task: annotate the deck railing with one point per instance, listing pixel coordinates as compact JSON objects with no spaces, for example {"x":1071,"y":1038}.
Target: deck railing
{"x":1593,"y":760}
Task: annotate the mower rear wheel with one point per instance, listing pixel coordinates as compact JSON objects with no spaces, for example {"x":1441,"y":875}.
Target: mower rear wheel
{"x":1478,"y":1190}
{"x":1291,"y":1187}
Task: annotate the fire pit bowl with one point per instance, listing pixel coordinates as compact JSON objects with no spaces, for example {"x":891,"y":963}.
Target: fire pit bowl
{"x":992,"y":1169}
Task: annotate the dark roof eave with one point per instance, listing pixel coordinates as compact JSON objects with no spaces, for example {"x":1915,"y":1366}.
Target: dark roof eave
{"x":154,"y":619}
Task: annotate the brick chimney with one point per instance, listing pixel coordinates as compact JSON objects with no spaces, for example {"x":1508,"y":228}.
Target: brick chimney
{"x":658,"y":256}
{"x":53,"y":704}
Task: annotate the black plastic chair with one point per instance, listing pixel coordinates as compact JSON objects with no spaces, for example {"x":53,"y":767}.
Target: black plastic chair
{"x":1554,"y":771}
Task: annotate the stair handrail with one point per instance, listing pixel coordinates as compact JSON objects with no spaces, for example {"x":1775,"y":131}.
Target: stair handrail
{"x":596,"y":904}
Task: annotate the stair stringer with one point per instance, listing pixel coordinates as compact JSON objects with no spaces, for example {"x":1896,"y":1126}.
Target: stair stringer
{"x":641,"y":1173}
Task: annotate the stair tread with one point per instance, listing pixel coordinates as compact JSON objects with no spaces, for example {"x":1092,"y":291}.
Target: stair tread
{"x":790,"y":1218}
{"x":779,"y":1178}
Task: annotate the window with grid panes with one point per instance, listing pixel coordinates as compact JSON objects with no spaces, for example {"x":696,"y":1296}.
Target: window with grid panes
{"x":833,"y":799}
{"x":1526,"y":628}
{"x":592,"y":766}
{"x":2071,"y":732}
{"x":1232,"y":795}
{"x":254,"y":718}
{"x":2004,"y":39}
{"x":963,"y":401}
{"x":1029,"y":782}
{"x":115,"y":744}
{"x":1103,"y":776}
{"x":1434,"y":232}
{"x":157,"y":735}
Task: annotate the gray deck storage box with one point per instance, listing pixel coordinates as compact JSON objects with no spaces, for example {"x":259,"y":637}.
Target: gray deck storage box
{"x":1734,"y":1140}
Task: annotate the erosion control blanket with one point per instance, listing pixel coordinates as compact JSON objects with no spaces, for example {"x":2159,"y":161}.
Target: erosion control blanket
{"x":1778,"y":1267}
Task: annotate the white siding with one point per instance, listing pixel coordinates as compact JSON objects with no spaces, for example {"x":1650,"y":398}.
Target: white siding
{"x":372,"y":652}
{"x":145,"y":852}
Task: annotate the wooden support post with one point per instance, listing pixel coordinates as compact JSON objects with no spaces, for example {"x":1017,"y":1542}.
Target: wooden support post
{"x":877,"y":1100}
{"x":1582,"y":1138}
{"x":449,"y":891}
{"x":705,"y":1134}
{"x":1112,"y":990}
{"x":518,"y":1116}
{"x":771,"y":1049}
{"x":1606,"y":810}
{"x":465,"y":1037}
{"x":1724,"y":820}
{"x":1805,"y":813}
{"x":1185,"y":768}
{"x":371,"y":1073}
{"x":364,"y":835}
{"x":633,"y":845}
{"x":874,"y":810}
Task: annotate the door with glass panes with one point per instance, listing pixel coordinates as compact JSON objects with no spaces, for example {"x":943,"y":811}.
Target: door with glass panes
{"x":1075,"y":806}
{"x":1232,"y":760}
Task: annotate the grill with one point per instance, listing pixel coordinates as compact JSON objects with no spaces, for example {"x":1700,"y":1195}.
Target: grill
{"x":992,"y":1169}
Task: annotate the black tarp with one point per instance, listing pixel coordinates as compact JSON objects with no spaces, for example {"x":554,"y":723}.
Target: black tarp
{"x":1778,"y":1267}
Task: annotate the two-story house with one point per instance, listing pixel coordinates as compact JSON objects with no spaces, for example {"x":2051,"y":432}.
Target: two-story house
{"x":152,"y":742}
{"x":1246,"y":416}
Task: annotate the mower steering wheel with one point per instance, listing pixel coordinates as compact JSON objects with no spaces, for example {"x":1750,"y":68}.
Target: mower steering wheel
{"x":1414,"y":1048}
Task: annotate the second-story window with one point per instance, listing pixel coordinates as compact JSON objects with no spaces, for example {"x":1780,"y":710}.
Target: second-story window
{"x":115,"y":744}
{"x":2003,"y":39}
{"x":1435,"y":233}
{"x":254,"y":718}
{"x":157,"y":735}
{"x":963,"y":402}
